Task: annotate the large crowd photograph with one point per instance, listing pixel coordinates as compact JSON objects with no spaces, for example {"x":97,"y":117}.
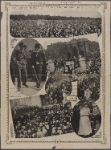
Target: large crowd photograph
{"x":78,"y":60}
{"x":32,"y":120}
{"x":55,"y":25}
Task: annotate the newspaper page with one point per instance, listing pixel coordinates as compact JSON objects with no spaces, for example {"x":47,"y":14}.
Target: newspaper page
{"x":55,"y":74}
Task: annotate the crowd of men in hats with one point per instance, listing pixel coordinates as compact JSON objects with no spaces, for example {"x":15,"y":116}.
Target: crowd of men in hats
{"x":19,"y":64}
{"x":34,"y":122}
{"x":55,"y":28}
{"x":88,"y":83}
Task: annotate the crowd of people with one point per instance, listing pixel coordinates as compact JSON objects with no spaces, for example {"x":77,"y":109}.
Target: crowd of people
{"x":54,"y":28}
{"x":54,"y":117}
{"x":88,"y":86}
{"x":86,"y":119}
{"x":88,"y":81}
{"x":34,"y":122}
{"x":58,"y":88}
{"x":56,"y":91}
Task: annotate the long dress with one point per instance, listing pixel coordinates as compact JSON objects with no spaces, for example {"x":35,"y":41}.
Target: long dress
{"x":84,"y":123}
{"x":82,"y":64}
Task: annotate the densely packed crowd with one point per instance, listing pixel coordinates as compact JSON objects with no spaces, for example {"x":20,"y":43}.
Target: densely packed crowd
{"x":88,"y":86}
{"x":34,"y":122}
{"x":54,"y":28}
{"x":55,"y":116}
{"x":56,"y":91}
{"x":88,"y":82}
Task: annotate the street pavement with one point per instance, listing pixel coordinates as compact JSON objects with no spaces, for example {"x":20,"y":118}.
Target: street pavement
{"x":31,"y":89}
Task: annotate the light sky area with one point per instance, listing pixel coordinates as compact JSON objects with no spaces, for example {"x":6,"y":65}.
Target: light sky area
{"x":67,"y":13}
{"x":45,"y":41}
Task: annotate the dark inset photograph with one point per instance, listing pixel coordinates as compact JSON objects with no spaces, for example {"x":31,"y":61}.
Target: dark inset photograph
{"x":28,"y":67}
{"x":55,"y":24}
{"x":31,"y":119}
{"x":86,"y":119}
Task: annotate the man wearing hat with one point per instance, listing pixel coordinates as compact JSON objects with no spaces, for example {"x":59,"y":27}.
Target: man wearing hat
{"x":38,"y":61}
{"x":20,"y":60}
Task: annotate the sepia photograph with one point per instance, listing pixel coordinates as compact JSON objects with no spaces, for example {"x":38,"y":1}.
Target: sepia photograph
{"x":78,"y":60}
{"x":28,"y":67}
{"x":72,"y":68}
{"x":55,"y":74}
{"x":86,"y":119}
{"x":31,"y":119}
{"x":61,"y":24}
{"x":56,"y":66}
